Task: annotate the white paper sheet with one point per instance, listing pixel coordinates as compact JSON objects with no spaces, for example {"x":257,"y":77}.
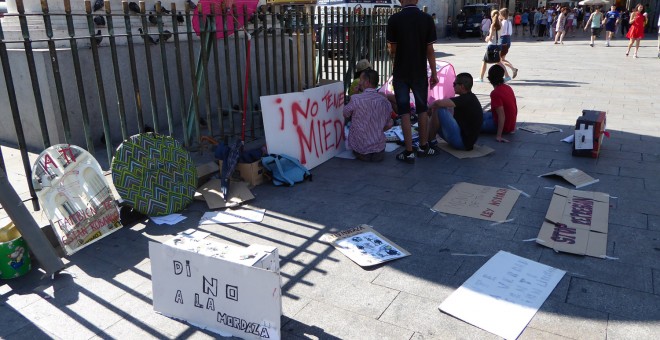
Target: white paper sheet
{"x":504,"y":294}
{"x":170,"y":219}
{"x":241,"y":215}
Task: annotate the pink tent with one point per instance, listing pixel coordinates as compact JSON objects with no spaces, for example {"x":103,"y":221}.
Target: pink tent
{"x":444,"y":89}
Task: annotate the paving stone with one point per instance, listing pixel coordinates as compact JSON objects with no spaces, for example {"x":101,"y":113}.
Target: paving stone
{"x":569,"y":321}
{"x":11,"y":320}
{"x":415,"y":312}
{"x":634,"y":246}
{"x":629,"y":219}
{"x":654,"y":222}
{"x":425,"y":273}
{"x":534,"y":334}
{"x":610,"y":299}
{"x":610,"y":272}
{"x":421,"y":232}
{"x":624,"y":327}
{"x":324,"y":321}
{"x":30,"y":331}
{"x":656,"y":281}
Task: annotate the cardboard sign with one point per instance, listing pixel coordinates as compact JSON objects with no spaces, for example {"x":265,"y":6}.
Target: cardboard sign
{"x":478,"y":201}
{"x":574,"y":176}
{"x":308,"y":126}
{"x":504,"y":294}
{"x":75,"y":196}
{"x":217,"y":287}
{"x":584,"y":138}
{"x":576,"y":222}
{"x":477,"y":151}
{"x":238,"y":193}
{"x":539,"y":129}
{"x":365,"y":246}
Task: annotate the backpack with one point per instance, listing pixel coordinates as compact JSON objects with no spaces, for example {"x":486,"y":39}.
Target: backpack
{"x":283,"y":169}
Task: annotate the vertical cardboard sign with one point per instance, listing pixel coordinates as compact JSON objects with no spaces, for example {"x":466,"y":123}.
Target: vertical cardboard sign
{"x":75,"y":196}
{"x":228,"y":298}
{"x":306,"y":125}
{"x":504,"y":294}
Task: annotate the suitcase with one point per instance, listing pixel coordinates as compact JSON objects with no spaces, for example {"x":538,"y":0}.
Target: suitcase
{"x":589,"y":133}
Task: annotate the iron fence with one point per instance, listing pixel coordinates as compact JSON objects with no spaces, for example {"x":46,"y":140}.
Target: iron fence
{"x":98,"y":75}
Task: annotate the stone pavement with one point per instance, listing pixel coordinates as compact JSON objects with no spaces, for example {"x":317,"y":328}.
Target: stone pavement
{"x":327,"y":296}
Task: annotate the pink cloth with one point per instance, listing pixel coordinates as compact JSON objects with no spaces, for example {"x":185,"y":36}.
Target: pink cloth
{"x":444,"y":89}
{"x":233,"y":18}
{"x":370,"y":112}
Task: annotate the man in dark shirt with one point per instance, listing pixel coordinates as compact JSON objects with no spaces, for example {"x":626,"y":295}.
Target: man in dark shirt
{"x":410,"y":38}
{"x":458,"y":120}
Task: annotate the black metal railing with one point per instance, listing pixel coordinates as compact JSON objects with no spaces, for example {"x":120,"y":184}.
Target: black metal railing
{"x":114,"y":72}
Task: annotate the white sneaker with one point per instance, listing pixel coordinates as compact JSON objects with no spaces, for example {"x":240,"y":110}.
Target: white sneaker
{"x":608,"y":44}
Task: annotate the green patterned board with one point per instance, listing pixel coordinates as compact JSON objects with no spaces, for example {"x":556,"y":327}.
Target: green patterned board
{"x":154,"y":174}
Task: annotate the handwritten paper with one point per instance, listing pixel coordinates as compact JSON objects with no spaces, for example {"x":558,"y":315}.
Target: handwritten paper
{"x":478,"y":201}
{"x":170,"y":219}
{"x":504,"y":294}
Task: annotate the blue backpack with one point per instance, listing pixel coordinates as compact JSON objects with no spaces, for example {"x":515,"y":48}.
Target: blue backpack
{"x":285,"y":169}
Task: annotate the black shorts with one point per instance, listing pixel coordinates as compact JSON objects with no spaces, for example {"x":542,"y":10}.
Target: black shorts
{"x":596,"y":31}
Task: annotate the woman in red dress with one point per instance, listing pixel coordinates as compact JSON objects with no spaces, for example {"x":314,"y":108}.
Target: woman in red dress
{"x":636,"y":31}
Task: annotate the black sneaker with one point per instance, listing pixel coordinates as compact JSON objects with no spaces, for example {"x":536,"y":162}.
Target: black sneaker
{"x":406,"y":157}
{"x":426,"y":151}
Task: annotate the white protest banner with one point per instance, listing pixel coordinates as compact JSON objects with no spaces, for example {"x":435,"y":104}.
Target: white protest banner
{"x":75,"y":196}
{"x":504,"y":294}
{"x":305,"y":125}
{"x":229,"y":298}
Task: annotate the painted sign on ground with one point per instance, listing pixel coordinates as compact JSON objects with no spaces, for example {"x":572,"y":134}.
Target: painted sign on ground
{"x":75,"y":196}
{"x":576,"y":222}
{"x":478,"y":201}
{"x":504,"y":294}
{"x":306,"y":125}
{"x":229,"y":298}
{"x":365,"y":246}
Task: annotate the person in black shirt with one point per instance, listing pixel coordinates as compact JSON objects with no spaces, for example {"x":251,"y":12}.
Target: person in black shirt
{"x":458,"y":120}
{"x":410,"y":37}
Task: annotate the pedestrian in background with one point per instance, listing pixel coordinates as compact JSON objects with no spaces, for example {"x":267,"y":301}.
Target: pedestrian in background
{"x":636,"y":32}
{"x":561,"y":26}
{"x":410,"y":36}
{"x":611,"y":20}
{"x":524,"y":18}
{"x":625,"y":22}
{"x":485,"y":25}
{"x":595,"y":22}
{"x":507,"y":29}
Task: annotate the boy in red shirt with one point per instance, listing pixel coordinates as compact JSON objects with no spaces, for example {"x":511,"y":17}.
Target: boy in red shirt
{"x":504,"y":109}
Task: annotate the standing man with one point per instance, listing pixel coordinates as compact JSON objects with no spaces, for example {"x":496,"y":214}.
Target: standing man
{"x":410,"y":37}
{"x":504,"y":109}
{"x":611,"y":20}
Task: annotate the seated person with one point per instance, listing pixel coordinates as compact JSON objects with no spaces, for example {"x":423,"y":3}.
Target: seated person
{"x":504,"y":109}
{"x":370,"y":116}
{"x":458,"y":120}
{"x":361,"y":66}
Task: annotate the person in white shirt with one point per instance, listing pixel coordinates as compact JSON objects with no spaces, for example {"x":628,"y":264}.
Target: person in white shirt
{"x":505,"y":40}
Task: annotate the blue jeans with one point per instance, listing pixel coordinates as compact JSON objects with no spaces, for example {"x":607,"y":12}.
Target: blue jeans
{"x":420,"y":90}
{"x":449,"y":129}
{"x":489,"y":125}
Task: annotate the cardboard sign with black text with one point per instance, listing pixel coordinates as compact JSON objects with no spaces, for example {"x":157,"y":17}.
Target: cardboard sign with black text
{"x":574,"y":176}
{"x":210,"y":290}
{"x":576,"y":222}
{"x":478,"y":201}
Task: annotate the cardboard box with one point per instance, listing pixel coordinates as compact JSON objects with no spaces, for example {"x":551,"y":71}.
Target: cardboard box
{"x":252,"y":173}
{"x":576,"y":222}
{"x":229,"y":290}
{"x":205,"y":171}
{"x":589,"y":133}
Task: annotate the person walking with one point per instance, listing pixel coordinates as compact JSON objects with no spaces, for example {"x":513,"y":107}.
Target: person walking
{"x":507,"y":29}
{"x":534,"y":17}
{"x":410,"y":35}
{"x":611,"y":20}
{"x":625,"y":22}
{"x":636,"y":31}
{"x":485,"y":25}
{"x":493,"y":38}
{"x":561,"y":26}
{"x":595,"y":22}
{"x":543,"y":22}
{"x":524,"y":20}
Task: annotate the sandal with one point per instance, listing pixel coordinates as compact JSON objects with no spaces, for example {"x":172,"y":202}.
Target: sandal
{"x":406,"y":157}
